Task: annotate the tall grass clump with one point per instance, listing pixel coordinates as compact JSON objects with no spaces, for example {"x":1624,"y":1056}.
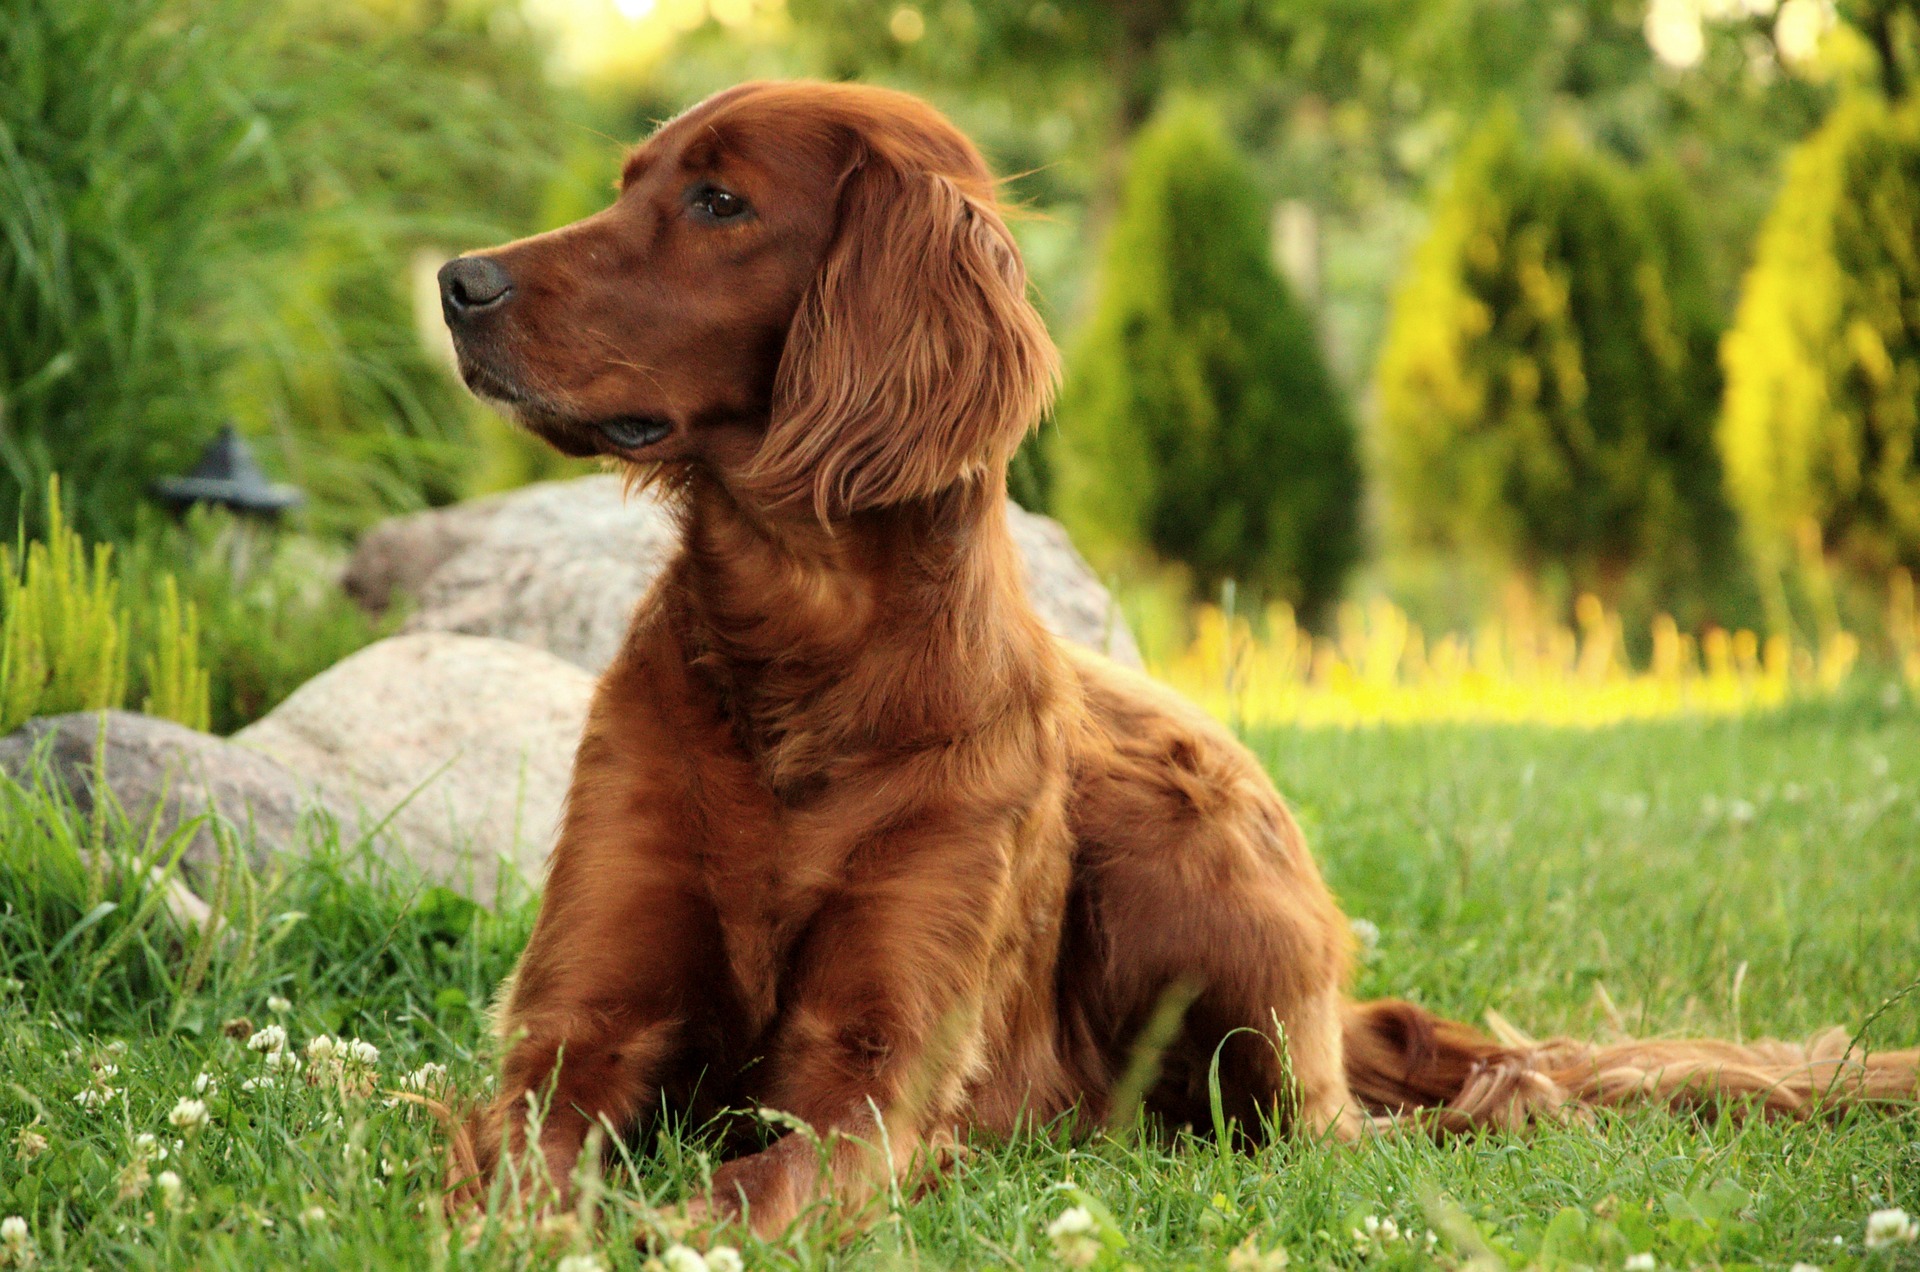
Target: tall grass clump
{"x":208,"y":207}
{"x":90,"y":918}
{"x":127,"y":154}
{"x":66,"y":636}
{"x":269,"y":609}
{"x":1548,"y":385}
{"x":1821,"y":427}
{"x":1199,"y":423}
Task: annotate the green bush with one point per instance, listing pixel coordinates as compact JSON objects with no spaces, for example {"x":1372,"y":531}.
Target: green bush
{"x":208,"y":208}
{"x":1547,"y":386}
{"x":1199,"y":421}
{"x":65,"y":636}
{"x":1822,"y":416}
{"x":271,"y":612}
{"x":211,"y":623}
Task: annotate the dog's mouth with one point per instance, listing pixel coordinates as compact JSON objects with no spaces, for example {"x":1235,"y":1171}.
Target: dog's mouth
{"x":629,"y":436}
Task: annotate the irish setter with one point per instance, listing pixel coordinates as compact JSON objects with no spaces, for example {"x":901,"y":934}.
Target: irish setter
{"x":850,"y":834}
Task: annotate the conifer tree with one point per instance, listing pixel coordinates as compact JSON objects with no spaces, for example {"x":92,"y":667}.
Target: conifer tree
{"x":1548,"y":387}
{"x":1199,"y":422}
{"x":1822,"y":416}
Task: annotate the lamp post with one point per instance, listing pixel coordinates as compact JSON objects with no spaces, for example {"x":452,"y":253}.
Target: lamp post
{"x":228,"y":476}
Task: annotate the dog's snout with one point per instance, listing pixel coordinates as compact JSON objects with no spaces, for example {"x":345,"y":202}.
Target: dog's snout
{"x":472,"y":285}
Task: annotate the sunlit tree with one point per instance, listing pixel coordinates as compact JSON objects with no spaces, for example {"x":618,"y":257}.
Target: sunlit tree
{"x":1547,"y":388}
{"x":1822,"y":417}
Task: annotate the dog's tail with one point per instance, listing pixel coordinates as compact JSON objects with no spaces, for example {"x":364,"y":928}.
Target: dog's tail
{"x":1404,"y":1061}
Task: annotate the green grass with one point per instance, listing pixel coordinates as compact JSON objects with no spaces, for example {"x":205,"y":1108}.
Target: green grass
{"x":1542,"y":874}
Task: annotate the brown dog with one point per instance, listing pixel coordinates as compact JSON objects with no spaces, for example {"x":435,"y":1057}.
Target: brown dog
{"x":850,"y":834}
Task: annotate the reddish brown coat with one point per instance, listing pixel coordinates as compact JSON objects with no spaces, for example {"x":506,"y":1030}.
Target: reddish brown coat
{"x":849,"y":833}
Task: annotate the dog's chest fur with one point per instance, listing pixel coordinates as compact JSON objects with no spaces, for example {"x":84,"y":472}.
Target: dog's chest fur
{"x":840,"y":702}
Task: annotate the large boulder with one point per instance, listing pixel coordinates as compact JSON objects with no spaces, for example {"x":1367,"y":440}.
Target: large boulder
{"x":162,"y":775}
{"x":560,"y":566}
{"x":452,"y":752}
{"x":458,"y":748}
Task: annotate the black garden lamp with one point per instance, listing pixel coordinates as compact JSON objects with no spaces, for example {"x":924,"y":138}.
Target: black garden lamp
{"x":228,"y":475}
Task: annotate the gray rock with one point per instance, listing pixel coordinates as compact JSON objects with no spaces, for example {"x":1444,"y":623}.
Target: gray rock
{"x":459,"y":747}
{"x":560,"y":566}
{"x":1065,"y":592}
{"x":164,"y":774}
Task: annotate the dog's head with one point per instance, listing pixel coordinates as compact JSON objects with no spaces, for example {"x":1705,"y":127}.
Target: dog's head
{"x":806,"y":288}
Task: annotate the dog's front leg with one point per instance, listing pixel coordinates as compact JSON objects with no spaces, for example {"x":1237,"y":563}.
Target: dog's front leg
{"x":625,"y":951}
{"x":883,"y":1028}
{"x":596,"y":1014}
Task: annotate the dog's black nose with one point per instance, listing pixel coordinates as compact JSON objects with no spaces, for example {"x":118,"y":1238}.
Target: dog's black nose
{"x":471,"y":285}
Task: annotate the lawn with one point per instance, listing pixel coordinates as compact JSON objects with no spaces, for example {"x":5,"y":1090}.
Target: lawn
{"x":1739,"y":877}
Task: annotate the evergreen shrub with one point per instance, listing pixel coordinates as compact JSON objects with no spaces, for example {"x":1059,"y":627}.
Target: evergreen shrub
{"x":1199,"y":422}
{"x":1548,"y":388}
{"x":1821,"y":425}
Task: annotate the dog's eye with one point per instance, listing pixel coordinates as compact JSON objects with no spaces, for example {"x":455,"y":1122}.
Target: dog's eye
{"x":711,"y":203}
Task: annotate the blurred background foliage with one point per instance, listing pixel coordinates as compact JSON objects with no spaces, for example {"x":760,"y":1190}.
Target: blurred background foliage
{"x":208,"y":209}
{"x":1465,"y":303}
{"x":1199,"y":420}
{"x":1822,"y":420}
{"x":1549,"y":383}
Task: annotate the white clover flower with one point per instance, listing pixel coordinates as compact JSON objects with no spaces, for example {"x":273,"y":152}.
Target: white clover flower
{"x":587,"y":1263}
{"x":16,"y":1242}
{"x":272,"y":1038}
{"x":1072,"y":1234}
{"x":1366,"y":938}
{"x":278,"y":1005}
{"x":29,"y":1144}
{"x":1374,"y":1230}
{"x":205,"y":1085}
{"x":362,"y":1052}
{"x":147,"y":1146}
{"x":430,"y":1077}
{"x":323,"y":1048}
{"x":1642,"y":1262}
{"x":679,"y":1258}
{"x":1248,"y":1257}
{"x":725,"y":1259}
{"x":188,"y":1115}
{"x":277,"y":1060}
{"x":1890,"y":1228}
{"x":116,"y":1048}
{"x":1804,"y":1267}
{"x":259,"y":1084}
{"x":314,"y":1214}
{"x":170,"y":1188}
{"x":95,"y":1097}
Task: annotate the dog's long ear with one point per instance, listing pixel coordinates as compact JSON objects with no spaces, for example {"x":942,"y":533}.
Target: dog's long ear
{"x":915,"y":359}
